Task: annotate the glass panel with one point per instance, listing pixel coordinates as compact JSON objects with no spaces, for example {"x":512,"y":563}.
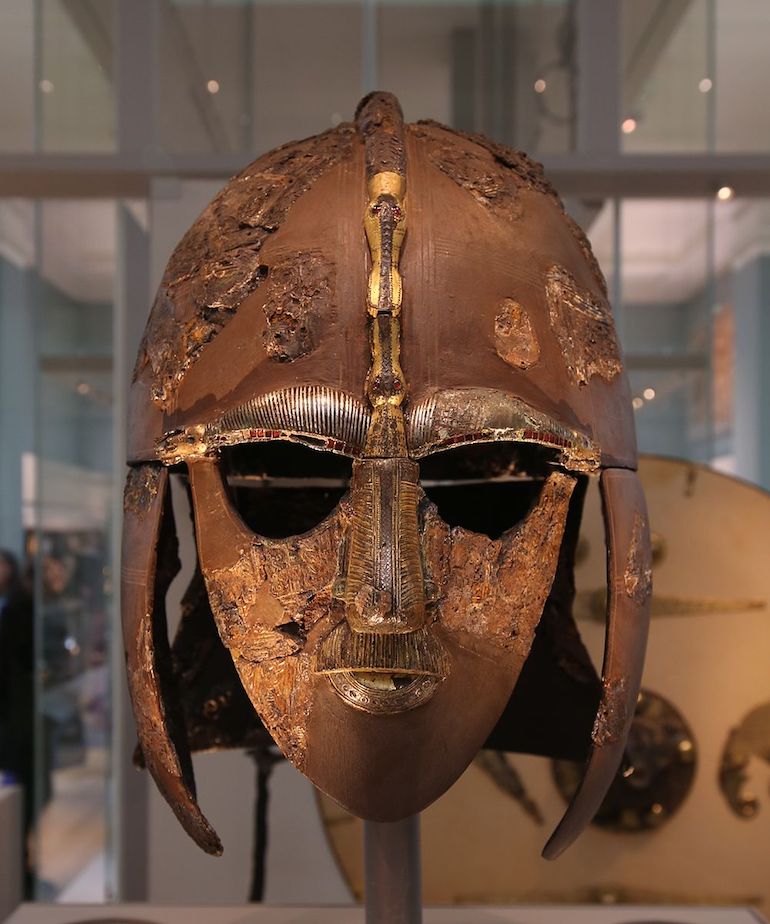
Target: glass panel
{"x":55,"y":500}
{"x":307,"y":68}
{"x":667,"y":78}
{"x":250,"y":76}
{"x":76,"y":80}
{"x":204,"y":60}
{"x":741,"y":338}
{"x":69,"y":484}
{"x":742,"y":36}
{"x":17,"y":72}
{"x":503,"y":68}
{"x":664,"y":318}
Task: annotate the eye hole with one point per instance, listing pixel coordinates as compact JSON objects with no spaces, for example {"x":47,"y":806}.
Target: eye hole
{"x":485,"y":488}
{"x":282,"y":489}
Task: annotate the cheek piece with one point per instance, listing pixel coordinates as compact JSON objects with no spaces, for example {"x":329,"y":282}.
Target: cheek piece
{"x":629,"y":582}
{"x":148,"y":567}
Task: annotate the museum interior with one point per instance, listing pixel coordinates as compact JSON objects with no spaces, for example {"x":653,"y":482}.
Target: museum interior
{"x":120,"y":120}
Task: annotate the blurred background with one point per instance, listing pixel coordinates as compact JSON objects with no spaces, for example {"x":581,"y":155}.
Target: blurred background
{"x":119,"y":119}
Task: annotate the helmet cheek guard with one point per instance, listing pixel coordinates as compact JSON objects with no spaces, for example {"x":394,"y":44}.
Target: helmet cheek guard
{"x":629,"y":583}
{"x":417,"y":301}
{"x":149,"y":565}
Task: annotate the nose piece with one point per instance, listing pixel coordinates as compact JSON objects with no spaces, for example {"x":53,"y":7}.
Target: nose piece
{"x":384,"y":586}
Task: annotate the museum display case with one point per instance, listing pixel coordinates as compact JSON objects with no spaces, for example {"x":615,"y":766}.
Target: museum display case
{"x":120,"y":121}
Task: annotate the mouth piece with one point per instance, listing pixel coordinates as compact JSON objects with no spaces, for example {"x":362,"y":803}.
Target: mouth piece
{"x":382,"y":673}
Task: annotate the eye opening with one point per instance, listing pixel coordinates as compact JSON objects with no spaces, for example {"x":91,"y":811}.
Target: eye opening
{"x":486,"y":488}
{"x":282,"y":489}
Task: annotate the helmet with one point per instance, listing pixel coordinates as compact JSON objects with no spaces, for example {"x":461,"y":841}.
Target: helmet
{"x":415,"y":300}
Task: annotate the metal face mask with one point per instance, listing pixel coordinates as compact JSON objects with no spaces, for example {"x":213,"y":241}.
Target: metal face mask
{"x":387,"y":293}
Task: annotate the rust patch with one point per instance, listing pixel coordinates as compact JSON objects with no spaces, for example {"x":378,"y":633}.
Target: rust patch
{"x":584,"y":328}
{"x":281,"y":691}
{"x":497,"y":588}
{"x":477,"y":172}
{"x":515,"y":340}
{"x":637,"y":576}
{"x":217,"y":263}
{"x":142,"y":485}
{"x":612,"y":715}
{"x":300,"y":298}
{"x":264,"y":604}
{"x":529,"y":174}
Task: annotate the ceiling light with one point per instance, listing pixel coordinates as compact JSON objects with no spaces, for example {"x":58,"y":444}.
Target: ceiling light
{"x":648,"y":394}
{"x":46,"y":86}
{"x":628,"y":126}
{"x":705,"y":85}
{"x":539,"y":85}
{"x":725,"y":192}
{"x":213,"y":86}
{"x":637,"y":403}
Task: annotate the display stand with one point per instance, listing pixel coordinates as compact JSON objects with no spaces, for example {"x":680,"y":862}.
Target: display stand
{"x":392,"y":871}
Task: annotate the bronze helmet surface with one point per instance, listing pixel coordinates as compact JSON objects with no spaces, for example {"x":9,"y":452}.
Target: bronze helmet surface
{"x":415,"y":300}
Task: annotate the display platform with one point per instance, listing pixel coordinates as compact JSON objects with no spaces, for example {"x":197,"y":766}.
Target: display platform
{"x":10,"y":839}
{"x":242,"y":914}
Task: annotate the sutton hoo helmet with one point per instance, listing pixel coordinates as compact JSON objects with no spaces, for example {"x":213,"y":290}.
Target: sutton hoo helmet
{"x":415,"y":300}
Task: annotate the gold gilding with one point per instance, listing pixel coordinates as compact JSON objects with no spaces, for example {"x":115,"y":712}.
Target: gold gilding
{"x":386,"y":201}
{"x":384,"y":588}
{"x":386,"y":387}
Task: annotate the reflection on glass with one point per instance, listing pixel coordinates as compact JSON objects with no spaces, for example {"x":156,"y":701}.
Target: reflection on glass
{"x":75,"y":79}
{"x":665,"y":319}
{"x":505,"y":69}
{"x":742,"y":71}
{"x":17,"y":101}
{"x":667,"y":76}
{"x":56,"y":437}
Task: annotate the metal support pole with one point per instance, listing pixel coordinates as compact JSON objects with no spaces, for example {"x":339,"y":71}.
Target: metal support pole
{"x":392,"y":871}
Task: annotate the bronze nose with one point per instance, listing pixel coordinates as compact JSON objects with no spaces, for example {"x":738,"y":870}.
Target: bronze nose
{"x":384,"y":587}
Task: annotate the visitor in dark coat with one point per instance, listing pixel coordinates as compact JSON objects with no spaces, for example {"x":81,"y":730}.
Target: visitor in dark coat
{"x":17,"y":697}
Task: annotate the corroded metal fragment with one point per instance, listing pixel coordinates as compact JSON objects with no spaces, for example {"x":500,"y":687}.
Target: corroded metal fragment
{"x":142,"y":485}
{"x":299,"y":300}
{"x":748,"y":740}
{"x":529,"y":175}
{"x":638,"y":573}
{"x":281,"y":692}
{"x":490,"y":183}
{"x":217,"y":263}
{"x":612,"y":715}
{"x":661,"y":762}
{"x":584,"y":328}
{"x":496,"y":588}
{"x":515,"y":339}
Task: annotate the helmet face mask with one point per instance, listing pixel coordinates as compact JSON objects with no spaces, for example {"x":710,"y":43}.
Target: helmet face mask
{"x":320,"y":301}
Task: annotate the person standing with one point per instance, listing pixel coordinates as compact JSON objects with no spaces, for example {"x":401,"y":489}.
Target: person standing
{"x":17,"y":697}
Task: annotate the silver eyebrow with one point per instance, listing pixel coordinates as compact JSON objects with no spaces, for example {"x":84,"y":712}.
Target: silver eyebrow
{"x":479,"y":415}
{"x":316,"y":415}
{"x":328,"y":419}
